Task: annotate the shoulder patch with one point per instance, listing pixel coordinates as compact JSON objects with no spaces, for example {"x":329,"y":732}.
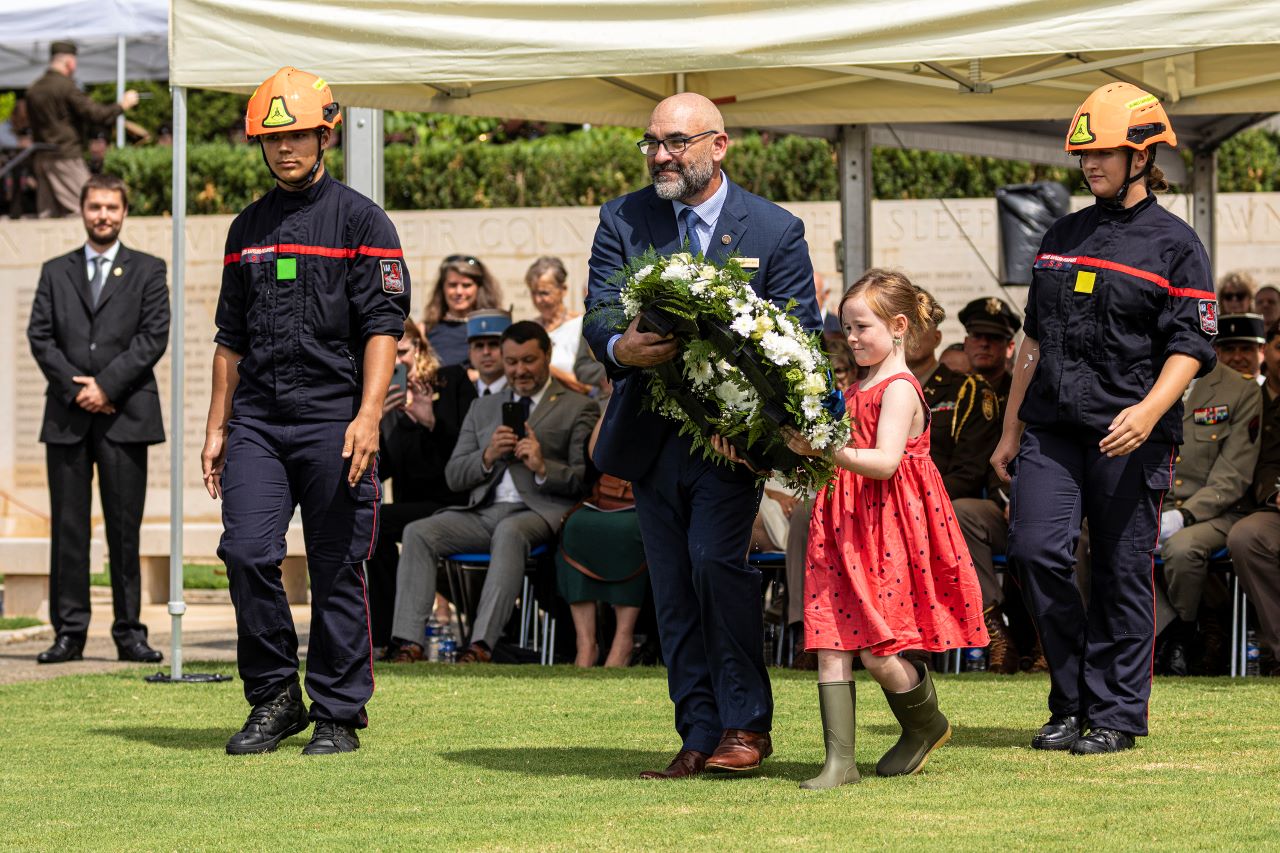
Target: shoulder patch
{"x":392,"y":275}
{"x":1209,"y":316}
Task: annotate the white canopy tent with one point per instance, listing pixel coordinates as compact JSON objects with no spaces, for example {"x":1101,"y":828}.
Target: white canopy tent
{"x":934,"y":74}
{"x":117,"y":40}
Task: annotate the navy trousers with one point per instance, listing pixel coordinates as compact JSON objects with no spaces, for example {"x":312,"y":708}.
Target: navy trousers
{"x":1099,"y":654}
{"x":695,"y":519}
{"x":272,"y":468}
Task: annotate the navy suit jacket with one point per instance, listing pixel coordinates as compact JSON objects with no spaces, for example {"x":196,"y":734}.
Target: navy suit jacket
{"x":750,"y":227}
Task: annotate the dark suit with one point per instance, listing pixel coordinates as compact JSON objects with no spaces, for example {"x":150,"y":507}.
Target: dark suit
{"x":695,"y":516}
{"x":118,"y":343}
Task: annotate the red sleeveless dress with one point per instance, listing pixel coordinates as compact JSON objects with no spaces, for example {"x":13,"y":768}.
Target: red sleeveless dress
{"x":887,"y":567}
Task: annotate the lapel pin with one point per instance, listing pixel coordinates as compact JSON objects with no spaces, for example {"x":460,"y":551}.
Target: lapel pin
{"x":118,"y":271}
{"x":726,"y":239}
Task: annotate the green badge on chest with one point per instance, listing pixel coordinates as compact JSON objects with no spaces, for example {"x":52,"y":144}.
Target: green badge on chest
{"x":286,"y":269}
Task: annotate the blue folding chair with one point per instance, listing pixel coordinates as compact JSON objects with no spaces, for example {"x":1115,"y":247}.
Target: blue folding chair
{"x":456,"y":566}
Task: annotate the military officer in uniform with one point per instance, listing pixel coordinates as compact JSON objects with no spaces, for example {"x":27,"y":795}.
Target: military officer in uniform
{"x":1212,"y":471}
{"x":989,"y":327}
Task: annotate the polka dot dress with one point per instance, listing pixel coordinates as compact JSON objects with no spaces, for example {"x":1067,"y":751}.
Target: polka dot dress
{"x":887,"y":567}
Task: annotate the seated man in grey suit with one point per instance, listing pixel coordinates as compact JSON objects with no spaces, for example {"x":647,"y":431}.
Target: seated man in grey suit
{"x":520,"y":488}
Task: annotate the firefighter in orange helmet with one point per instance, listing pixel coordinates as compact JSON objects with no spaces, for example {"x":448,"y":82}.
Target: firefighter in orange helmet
{"x":1119,"y":320}
{"x":313,"y":300}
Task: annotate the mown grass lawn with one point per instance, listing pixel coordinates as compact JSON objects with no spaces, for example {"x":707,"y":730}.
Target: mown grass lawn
{"x":194,"y":576}
{"x":517,"y":758}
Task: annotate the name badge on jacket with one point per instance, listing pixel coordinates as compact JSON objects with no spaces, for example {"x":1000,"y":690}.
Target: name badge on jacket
{"x":1210,"y":415}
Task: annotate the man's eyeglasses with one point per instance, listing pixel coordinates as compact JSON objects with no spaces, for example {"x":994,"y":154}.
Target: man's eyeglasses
{"x":673,"y":144}
{"x":1233,"y":296}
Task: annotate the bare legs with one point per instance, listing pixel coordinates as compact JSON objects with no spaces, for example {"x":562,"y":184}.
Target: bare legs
{"x":891,"y":672}
{"x":584,"y":626}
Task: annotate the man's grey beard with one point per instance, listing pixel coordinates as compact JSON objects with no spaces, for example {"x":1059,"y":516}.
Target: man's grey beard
{"x":692,"y":179}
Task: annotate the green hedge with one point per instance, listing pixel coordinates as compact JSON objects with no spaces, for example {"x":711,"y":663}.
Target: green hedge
{"x":585,"y":168}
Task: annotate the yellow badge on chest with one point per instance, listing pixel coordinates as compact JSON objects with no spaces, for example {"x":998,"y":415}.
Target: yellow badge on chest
{"x":1084,"y":281}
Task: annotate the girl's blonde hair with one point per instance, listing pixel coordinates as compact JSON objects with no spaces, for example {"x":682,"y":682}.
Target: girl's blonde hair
{"x":889,"y":294}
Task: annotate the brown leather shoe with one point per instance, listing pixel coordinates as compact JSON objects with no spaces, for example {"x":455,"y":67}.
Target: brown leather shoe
{"x":740,"y":750}
{"x":688,"y":762}
{"x":475,"y":653}
{"x":1002,"y":655}
{"x":408,"y":653}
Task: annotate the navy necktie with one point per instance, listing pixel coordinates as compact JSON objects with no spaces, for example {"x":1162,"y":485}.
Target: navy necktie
{"x":688,"y":223}
{"x":526,"y":403}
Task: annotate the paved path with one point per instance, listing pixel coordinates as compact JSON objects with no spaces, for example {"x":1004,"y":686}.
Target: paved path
{"x":208,"y":634}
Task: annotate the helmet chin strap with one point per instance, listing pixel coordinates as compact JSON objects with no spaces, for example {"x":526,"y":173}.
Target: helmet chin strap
{"x":1117,"y":202}
{"x":311,"y":176}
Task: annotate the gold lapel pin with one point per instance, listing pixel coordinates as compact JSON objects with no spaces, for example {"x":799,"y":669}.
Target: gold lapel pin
{"x":118,"y":271}
{"x":726,"y":239}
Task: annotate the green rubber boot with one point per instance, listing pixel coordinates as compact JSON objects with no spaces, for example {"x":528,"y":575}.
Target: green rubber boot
{"x":838,"y":701}
{"x":924,"y":729}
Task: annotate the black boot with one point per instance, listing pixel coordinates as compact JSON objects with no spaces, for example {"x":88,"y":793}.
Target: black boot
{"x":838,"y":701}
{"x":271,"y":722}
{"x":1171,"y":648}
{"x":330,"y":738}
{"x":924,"y":728}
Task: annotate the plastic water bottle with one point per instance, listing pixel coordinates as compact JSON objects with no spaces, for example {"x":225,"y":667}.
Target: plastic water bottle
{"x":432,"y":639}
{"x":975,"y":660}
{"x":448,"y":645}
{"x":1252,"y":654}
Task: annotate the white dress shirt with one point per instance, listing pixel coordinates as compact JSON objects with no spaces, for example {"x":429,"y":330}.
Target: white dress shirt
{"x":507,"y":493}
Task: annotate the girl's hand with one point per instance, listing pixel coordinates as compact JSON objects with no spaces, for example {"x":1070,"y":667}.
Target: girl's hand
{"x":1129,"y":430}
{"x":798,"y":444}
{"x":1004,"y":453}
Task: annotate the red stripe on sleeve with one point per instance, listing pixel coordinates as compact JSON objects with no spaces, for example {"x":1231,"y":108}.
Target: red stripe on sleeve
{"x":233,"y":258}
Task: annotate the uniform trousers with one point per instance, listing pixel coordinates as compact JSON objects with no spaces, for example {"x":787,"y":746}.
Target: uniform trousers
{"x":508,"y":531}
{"x":1099,"y":656}
{"x":271,"y":469}
{"x":986,"y":532}
{"x":122,"y":485}
{"x":1186,"y":568}
{"x":695,"y":519}
{"x":1255,"y":552}
{"x":58,"y":184}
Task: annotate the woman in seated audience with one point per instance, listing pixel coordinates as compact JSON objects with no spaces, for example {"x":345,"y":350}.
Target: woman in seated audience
{"x":547,"y":280}
{"x":601,"y":559}
{"x":463,"y":285}
{"x":420,"y":426}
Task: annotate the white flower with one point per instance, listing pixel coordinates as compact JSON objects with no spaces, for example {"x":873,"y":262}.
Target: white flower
{"x":764,"y":326}
{"x":811,"y":406}
{"x":813,"y":384}
{"x":630,"y":304}
{"x":699,"y":287}
{"x":677,"y":272}
{"x":642,"y":273}
{"x":820,"y":436}
{"x":744,"y":325}
{"x":698,"y":369}
{"x":682,"y":258}
{"x":707,"y":271}
{"x":739,"y":306}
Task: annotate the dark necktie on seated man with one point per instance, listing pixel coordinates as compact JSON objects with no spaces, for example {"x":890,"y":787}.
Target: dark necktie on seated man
{"x":526,"y":405}
{"x":689,"y":220}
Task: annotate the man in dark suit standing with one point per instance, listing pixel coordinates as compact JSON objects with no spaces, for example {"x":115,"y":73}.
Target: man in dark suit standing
{"x":99,"y":324}
{"x":695,"y":516}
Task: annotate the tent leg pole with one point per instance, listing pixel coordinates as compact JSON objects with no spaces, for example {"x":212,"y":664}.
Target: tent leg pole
{"x":856,"y":189}
{"x":177,"y":363}
{"x":1204,"y":186}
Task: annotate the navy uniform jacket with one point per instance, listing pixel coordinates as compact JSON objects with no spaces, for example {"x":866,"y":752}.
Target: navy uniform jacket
{"x":749,"y":226}
{"x":1113,"y":295}
{"x":308,"y":277}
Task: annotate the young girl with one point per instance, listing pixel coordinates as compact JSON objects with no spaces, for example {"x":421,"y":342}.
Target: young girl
{"x":887,"y":568}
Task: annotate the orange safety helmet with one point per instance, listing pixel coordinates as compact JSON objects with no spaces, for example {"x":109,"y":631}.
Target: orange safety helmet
{"x":291,"y":100}
{"x":1119,"y":115}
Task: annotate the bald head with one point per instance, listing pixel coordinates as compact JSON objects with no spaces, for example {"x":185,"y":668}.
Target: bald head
{"x":691,"y":109}
{"x":692,"y":125}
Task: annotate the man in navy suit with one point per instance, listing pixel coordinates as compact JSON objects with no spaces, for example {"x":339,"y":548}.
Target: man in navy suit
{"x":695,"y":515}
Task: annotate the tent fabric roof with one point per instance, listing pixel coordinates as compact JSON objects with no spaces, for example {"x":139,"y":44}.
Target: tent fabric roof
{"x":28,"y":26}
{"x":796,"y":63}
